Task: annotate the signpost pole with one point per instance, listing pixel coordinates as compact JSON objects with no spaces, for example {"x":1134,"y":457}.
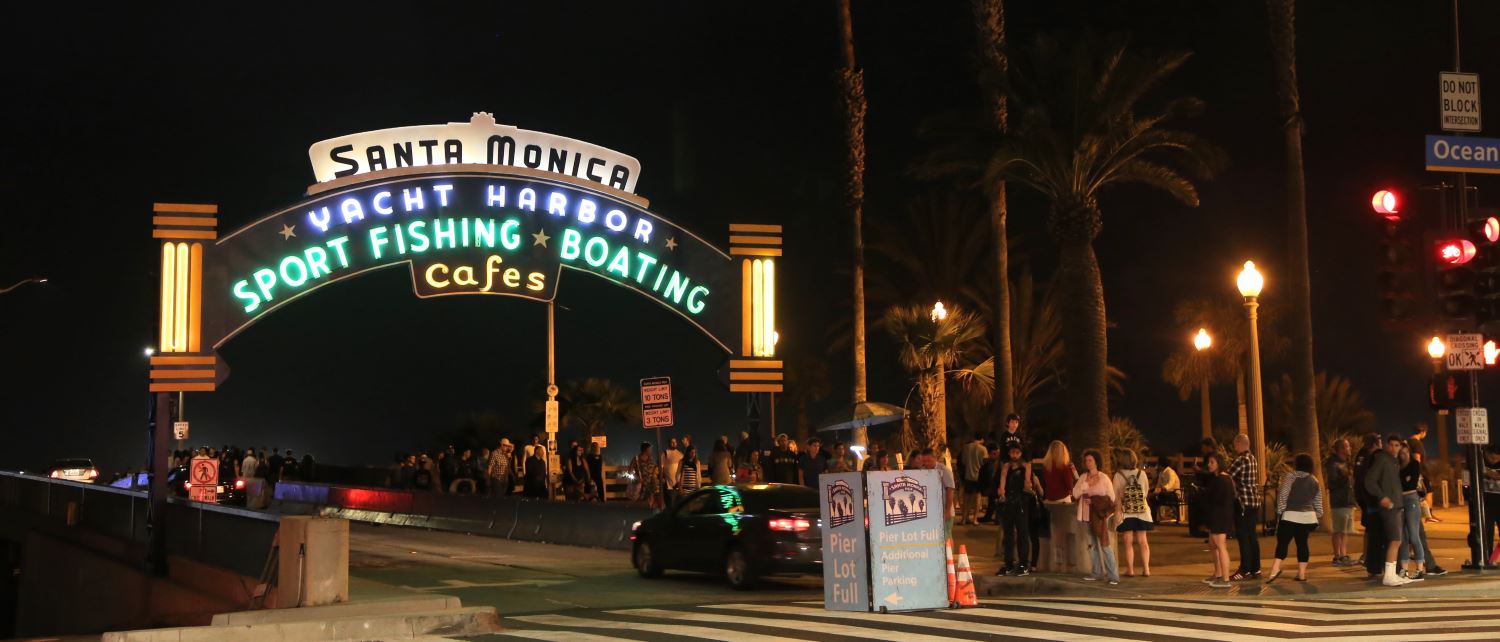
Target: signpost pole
{"x":1481,"y":562}
{"x":156,"y":528}
{"x":553,"y":460}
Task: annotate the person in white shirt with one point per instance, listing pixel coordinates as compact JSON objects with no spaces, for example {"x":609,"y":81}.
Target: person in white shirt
{"x":249,"y":465}
{"x":671,"y":463}
{"x":1164,"y":490}
{"x":1130,"y":482}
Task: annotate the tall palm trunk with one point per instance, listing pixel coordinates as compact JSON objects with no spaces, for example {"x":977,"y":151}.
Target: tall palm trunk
{"x":852,"y":96}
{"x":932,"y":390}
{"x":1085,"y":347}
{"x":1298,"y":283}
{"x":989,"y":21}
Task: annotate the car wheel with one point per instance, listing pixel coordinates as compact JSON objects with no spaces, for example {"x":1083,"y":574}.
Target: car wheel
{"x":738,"y":569}
{"x":644,"y":560}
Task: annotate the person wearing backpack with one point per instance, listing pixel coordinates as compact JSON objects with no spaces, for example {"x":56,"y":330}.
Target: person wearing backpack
{"x":1133,"y":510}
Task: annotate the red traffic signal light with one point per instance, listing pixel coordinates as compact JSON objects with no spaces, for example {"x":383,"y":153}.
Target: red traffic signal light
{"x":1385,"y":202}
{"x":1456,"y":251}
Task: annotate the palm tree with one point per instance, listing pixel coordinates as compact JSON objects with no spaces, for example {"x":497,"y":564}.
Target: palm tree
{"x":1078,"y":132}
{"x":928,"y":344}
{"x":1341,"y":409}
{"x":1299,"y":287}
{"x":989,"y":24}
{"x":806,"y":383}
{"x":594,"y":402}
{"x":852,"y":99}
{"x":1226,"y":321}
{"x":1036,"y":340}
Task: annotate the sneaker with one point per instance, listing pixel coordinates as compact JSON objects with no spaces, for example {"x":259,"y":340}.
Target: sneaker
{"x":1240,"y":576}
{"x":1219,"y":584}
{"x":1004,"y":570}
{"x":1394,"y":580}
{"x":1090,"y":578}
{"x":1022,"y":572}
{"x":1114,"y":582}
{"x":1415,"y":577}
{"x":1437,"y":571}
{"x":1210,"y":580}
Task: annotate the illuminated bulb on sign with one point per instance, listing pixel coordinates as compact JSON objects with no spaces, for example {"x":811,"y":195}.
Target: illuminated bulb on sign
{"x":1456,"y":252}
{"x":1491,"y":351}
{"x":1384,"y":203}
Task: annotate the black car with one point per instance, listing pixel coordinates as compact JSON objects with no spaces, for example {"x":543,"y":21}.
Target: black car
{"x":744,"y":532}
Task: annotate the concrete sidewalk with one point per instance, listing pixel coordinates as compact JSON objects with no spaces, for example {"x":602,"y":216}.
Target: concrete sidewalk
{"x":1179,"y":563}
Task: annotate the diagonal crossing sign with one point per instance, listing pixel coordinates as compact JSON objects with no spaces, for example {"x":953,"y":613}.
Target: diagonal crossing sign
{"x":1465,"y":352}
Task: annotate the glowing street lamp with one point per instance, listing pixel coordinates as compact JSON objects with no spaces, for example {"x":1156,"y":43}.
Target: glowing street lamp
{"x":1202,"y":342}
{"x":1250,"y":283}
{"x":939,"y":313}
{"x":149,"y":352}
{"x":1436,"y":349}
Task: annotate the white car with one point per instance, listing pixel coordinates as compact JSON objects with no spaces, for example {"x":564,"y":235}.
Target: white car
{"x":78,"y":470}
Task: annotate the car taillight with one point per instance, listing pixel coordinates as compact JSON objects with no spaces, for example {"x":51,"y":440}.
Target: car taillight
{"x":239,"y":484}
{"x":93,"y":473}
{"x":55,"y":474}
{"x":188,"y":485}
{"x":791,"y":525}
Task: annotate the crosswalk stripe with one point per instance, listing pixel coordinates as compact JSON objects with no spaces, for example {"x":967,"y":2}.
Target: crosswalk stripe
{"x":799,"y":625}
{"x":1207,"y":620}
{"x":1349,"y":606}
{"x":671,"y":629}
{"x":560,"y":636}
{"x":886,"y":621}
{"x":1389,"y":612}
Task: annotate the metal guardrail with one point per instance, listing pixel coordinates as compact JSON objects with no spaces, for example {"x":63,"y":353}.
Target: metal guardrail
{"x":222,"y":536}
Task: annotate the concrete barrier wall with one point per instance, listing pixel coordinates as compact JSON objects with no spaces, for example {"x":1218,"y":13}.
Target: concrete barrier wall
{"x":572,"y":523}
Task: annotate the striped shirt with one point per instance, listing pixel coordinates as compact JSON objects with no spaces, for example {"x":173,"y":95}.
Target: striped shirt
{"x":688,"y":477}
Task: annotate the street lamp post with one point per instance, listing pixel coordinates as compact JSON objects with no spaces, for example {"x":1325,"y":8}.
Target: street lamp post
{"x":1250,"y":283}
{"x":1436,"y":349}
{"x":1202,"y":342}
{"x":939,"y":386}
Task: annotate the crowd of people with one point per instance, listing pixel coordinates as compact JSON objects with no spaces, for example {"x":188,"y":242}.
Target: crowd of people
{"x":502,"y":470}
{"x":249,"y":463}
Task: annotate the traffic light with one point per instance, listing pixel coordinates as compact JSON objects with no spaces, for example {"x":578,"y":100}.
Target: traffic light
{"x":1395,"y":277}
{"x":1455,"y":278}
{"x":1484,"y":232}
{"x":1448,"y":390}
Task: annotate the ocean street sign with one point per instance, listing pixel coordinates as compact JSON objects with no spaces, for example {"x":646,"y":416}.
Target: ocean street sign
{"x":1463,"y":154}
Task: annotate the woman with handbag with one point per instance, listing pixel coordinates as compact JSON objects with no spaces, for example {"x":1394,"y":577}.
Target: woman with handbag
{"x":1096,"y":503}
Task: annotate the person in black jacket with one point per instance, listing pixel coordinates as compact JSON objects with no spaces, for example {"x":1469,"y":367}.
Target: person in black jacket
{"x":1383,"y":483}
{"x":1201,"y":479}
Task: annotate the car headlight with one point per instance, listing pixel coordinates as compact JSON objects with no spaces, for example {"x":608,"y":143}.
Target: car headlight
{"x":635,"y":527}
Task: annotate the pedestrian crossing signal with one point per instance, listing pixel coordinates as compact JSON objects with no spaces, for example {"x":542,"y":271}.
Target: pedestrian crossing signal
{"x":1447,"y":391}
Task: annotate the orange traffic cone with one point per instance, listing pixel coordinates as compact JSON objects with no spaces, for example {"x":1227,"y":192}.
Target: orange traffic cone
{"x":966,"y":596}
{"x":952,"y":576}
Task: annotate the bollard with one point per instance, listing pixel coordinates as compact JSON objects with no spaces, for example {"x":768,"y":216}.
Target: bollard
{"x":72,"y":513}
{"x":1444,"y":496}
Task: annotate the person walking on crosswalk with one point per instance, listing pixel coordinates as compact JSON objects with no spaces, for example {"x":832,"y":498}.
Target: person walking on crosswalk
{"x":1299,"y":507}
{"x":1096,"y":503}
{"x":1383,"y":482}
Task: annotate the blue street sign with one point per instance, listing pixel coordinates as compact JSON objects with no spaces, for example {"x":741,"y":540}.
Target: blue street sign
{"x":1463,"y":154}
{"x":846,"y":565}
{"x":908,"y":568}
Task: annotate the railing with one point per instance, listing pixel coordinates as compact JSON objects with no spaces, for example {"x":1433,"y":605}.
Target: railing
{"x":221,"y":536}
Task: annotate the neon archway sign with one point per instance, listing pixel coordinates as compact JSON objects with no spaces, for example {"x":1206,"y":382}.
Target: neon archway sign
{"x":470,"y":208}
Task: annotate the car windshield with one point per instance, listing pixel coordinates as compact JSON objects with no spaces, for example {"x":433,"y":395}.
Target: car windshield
{"x":73,"y":463}
{"x":779,"y":497}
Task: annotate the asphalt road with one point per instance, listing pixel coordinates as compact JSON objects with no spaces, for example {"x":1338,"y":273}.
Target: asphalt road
{"x":520,"y":578}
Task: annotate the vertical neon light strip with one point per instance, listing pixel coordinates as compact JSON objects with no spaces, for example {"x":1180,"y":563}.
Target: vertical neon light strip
{"x":758,"y":320}
{"x":168,"y":296}
{"x":768,"y":306}
{"x":195,"y":297}
{"x":179,"y":308}
{"x":746,"y":306}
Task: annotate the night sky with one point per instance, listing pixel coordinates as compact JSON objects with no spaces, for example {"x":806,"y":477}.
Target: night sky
{"x":730,"y":109}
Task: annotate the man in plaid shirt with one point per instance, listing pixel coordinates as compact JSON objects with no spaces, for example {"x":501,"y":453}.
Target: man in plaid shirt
{"x":1245,"y":472}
